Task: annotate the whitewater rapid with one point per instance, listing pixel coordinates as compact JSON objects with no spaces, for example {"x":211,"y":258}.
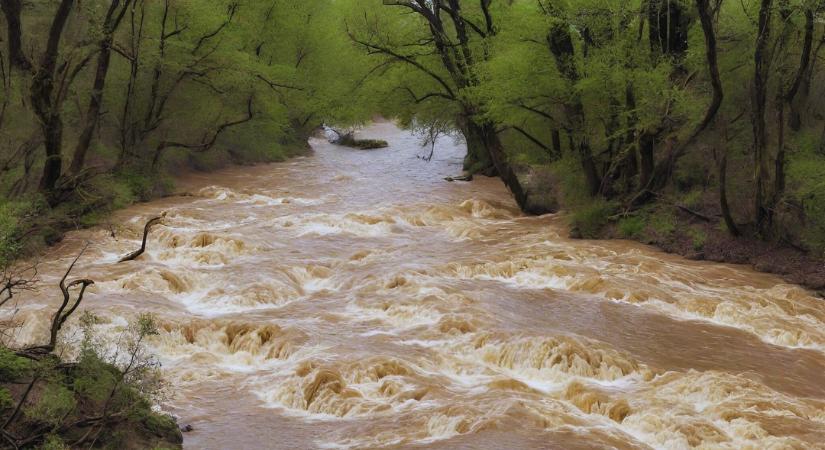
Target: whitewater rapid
{"x":355,"y":299}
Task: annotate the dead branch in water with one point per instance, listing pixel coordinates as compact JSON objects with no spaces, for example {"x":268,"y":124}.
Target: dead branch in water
{"x":63,"y":312}
{"x":135,"y":254}
{"x":459,"y":178}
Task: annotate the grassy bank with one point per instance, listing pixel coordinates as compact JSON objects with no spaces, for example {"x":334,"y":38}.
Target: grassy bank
{"x":101,"y":399}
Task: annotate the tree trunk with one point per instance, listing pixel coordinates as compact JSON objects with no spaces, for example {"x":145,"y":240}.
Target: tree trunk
{"x":797,"y":86}
{"x":779,"y":164}
{"x":485,"y":136}
{"x":12,"y":10}
{"x":557,"y":143}
{"x":96,"y":100}
{"x":760,"y":87}
{"x":477,"y":160}
{"x":591,"y":172}
{"x":723,"y":196}
{"x":46,"y":106}
{"x":647,"y":143}
{"x":53,"y":140}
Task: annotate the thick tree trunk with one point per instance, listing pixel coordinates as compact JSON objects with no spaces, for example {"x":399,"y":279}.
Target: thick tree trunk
{"x":486,"y":139}
{"x":759,"y":101}
{"x":557,"y":142}
{"x":46,"y":106}
{"x":478,"y":159}
{"x":591,"y":172}
{"x":12,"y":10}
{"x":53,"y":141}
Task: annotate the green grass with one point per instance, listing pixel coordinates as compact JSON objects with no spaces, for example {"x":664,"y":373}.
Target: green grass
{"x":590,"y":219}
{"x":663,"y":223}
{"x":699,"y":237}
{"x":632,"y":227}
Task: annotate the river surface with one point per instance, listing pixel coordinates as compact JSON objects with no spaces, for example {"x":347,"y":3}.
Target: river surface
{"x":355,"y":299}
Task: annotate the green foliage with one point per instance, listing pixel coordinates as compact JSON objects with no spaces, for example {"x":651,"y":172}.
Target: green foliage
{"x":571,"y":183}
{"x":94,"y":378}
{"x":118,"y":379}
{"x":55,"y":403}
{"x":159,"y":424}
{"x":806,"y":177}
{"x":12,"y":367}
{"x":663,"y":222}
{"x":632,"y":226}
{"x":54,"y":442}
{"x":590,"y":219}
{"x":699,"y":237}
{"x":693,"y":198}
{"x":6,"y":400}
{"x":10,"y":244}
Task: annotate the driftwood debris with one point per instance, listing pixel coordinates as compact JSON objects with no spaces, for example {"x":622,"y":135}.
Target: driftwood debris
{"x":459,"y":178}
{"x":135,"y":254}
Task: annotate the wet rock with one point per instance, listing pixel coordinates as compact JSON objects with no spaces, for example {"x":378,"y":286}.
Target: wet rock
{"x":187,"y":428}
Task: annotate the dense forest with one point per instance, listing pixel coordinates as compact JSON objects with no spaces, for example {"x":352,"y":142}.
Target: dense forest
{"x":604,"y":109}
{"x":656,"y":120}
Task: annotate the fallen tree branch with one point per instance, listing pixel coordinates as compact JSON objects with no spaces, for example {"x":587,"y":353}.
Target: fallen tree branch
{"x":459,"y":178}
{"x":135,"y":254}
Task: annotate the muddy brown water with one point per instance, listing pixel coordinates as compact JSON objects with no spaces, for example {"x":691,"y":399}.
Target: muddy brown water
{"x":354,"y":299}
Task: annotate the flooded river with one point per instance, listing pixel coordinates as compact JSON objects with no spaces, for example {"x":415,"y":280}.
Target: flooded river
{"x":354,"y":299}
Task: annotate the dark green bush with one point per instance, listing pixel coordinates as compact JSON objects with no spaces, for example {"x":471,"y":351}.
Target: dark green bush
{"x":632,"y":227}
{"x":12,"y":367}
{"x":590,"y":219}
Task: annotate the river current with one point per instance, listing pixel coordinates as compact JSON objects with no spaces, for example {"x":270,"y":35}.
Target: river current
{"x":355,"y":299}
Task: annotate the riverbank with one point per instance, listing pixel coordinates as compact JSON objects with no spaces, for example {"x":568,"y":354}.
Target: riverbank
{"x":676,"y":231}
{"x":49,"y":404}
{"x":29,"y":225}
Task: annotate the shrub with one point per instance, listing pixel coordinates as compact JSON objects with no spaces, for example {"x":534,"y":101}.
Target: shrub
{"x":9,"y":230}
{"x":632,"y":227}
{"x":571,"y":183}
{"x":663,"y":223}
{"x":53,"y":442}
{"x":55,"y":403}
{"x":6,"y":401}
{"x":12,"y":367}
{"x":693,"y":199}
{"x":590,"y":219}
{"x":699,"y":237}
{"x":806,"y":181}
